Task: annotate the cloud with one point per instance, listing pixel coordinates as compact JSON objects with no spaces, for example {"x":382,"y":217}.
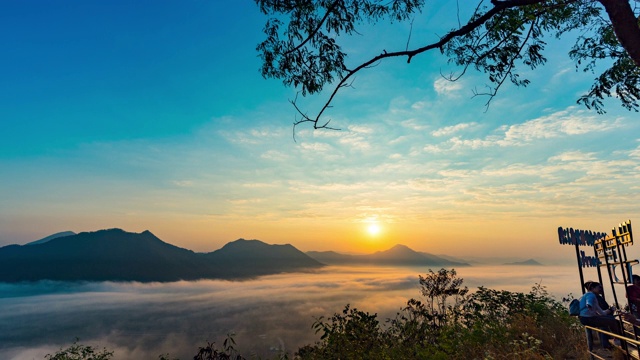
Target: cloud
{"x":317,"y":147}
{"x":183,"y":183}
{"x":635,"y":153}
{"x":419,"y":105}
{"x":361,"y":129}
{"x":275,"y":155}
{"x":358,"y":143}
{"x":143,"y":321}
{"x":246,"y":201}
{"x":151,"y":319}
{"x":398,"y":140}
{"x":561,"y":72}
{"x":433,"y":148}
{"x":448,"y":130}
{"x":446,"y":87}
{"x":474,"y":144}
{"x":558,"y":124}
{"x":259,"y":185}
{"x":573,"y":156}
{"x":414,"y":124}
{"x":561,"y":124}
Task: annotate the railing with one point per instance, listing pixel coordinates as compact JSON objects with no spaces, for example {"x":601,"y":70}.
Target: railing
{"x":629,"y":345}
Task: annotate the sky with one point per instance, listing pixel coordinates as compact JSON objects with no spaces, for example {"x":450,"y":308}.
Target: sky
{"x":154,"y":116}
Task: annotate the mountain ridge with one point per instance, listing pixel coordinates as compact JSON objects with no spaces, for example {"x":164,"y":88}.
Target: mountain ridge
{"x":117,"y":255}
{"x":530,"y":262}
{"x":397,"y":255}
{"x":51,"y":237}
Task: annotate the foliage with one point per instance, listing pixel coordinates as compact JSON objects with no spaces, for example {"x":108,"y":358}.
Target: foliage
{"x":352,"y":332}
{"x":438,"y":288}
{"x":211,"y":352}
{"x":80,"y":352}
{"x":166,"y":357}
{"x":502,"y":38}
{"x":452,"y":324}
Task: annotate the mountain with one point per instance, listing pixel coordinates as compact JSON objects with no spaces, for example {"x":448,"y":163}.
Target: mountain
{"x":525,"y":262}
{"x":456,"y":259}
{"x":116,"y":255}
{"x":397,"y":255}
{"x":51,"y":237}
{"x":262,"y":258}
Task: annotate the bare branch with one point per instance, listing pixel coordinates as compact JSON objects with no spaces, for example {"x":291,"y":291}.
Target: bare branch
{"x":410,"y":32}
{"x":507,"y":73}
{"x":305,"y":118}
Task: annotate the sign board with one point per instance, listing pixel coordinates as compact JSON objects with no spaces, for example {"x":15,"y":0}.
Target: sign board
{"x":608,"y":251}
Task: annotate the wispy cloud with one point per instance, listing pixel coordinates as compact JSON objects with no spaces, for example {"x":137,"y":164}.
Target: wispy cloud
{"x":317,"y":147}
{"x":573,"y":156}
{"x":414,"y":124}
{"x":561,"y":124}
{"x":449,"y":130}
{"x":183,"y":183}
{"x":446,"y":87}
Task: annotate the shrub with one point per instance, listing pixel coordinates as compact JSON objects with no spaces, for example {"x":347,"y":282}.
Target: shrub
{"x":80,"y":352}
{"x":452,"y":324}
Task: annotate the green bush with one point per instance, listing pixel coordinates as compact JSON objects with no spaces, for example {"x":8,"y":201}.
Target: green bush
{"x":80,"y":352}
{"x":450,"y":323}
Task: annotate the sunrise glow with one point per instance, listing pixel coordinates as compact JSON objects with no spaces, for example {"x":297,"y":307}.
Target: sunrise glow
{"x":373,"y":229}
{"x":199,"y":149}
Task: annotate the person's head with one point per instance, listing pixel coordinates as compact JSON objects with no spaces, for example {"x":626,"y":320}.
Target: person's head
{"x":593,"y":286}
{"x":635,"y":279}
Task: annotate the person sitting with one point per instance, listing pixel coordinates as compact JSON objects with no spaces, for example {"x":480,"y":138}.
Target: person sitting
{"x":633,"y":294}
{"x":607,"y":310}
{"x":591,"y":314}
{"x":598,"y":290}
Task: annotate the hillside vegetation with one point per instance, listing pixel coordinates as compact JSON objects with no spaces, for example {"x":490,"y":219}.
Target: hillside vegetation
{"x":447,"y":322}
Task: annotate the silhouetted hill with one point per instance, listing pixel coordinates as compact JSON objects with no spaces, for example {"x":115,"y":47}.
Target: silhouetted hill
{"x":525,"y":262}
{"x":397,"y":255}
{"x":456,"y":259}
{"x":329,"y":257}
{"x":51,"y":237}
{"x":262,"y":258}
{"x":117,"y":255}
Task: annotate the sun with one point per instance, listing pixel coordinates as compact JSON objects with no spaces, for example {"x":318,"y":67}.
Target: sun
{"x":373,"y":229}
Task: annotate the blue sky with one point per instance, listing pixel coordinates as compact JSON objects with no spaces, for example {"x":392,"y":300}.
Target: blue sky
{"x":153,"y":115}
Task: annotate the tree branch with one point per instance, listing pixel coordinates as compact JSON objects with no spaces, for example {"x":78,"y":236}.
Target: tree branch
{"x":507,"y":73}
{"x":498,"y":6}
{"x":314,"y":32}
{"x":625,"y":25}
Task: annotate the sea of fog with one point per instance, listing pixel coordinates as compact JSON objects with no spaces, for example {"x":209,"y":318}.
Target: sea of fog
{"x":267,"y":315}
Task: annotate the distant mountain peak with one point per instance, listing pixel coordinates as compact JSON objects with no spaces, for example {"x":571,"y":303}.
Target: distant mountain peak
{"x":51,"y":237}
{"x":397,"y":255}
{"x":525,"y":262}
{"x":244,"y":243}
{"x":401,"y":247}
{"x":398,"y":249}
